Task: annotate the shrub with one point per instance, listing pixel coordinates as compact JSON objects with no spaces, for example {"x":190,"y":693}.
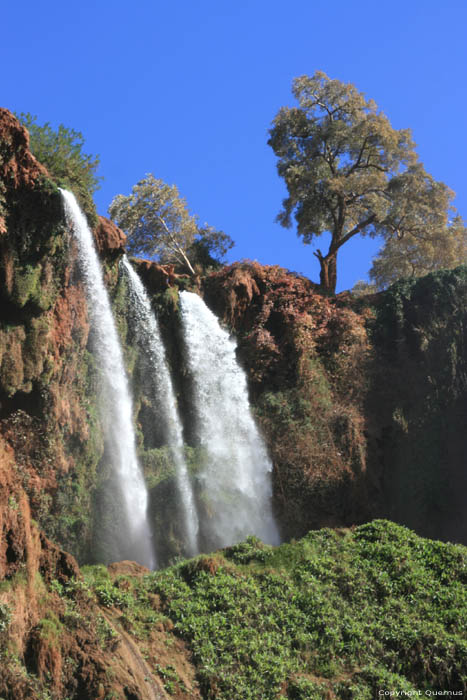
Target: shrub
{"x":60,"y":150}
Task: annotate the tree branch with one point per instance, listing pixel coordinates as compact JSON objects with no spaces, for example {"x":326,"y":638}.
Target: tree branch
{"x":176,"y":248}
{"x":358,"y":161}
{"x":317,"y":253}
{"x":353,"y":232}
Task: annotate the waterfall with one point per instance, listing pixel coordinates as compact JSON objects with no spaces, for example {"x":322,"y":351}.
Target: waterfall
{"x":132,"y":537}
{"x":161,"y":391}
{"x":236,"y":477}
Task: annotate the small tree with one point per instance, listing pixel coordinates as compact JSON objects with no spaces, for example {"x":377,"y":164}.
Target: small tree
{"x":210,"y":247}
{"x":348,"y":172}
{"x":61,"y":151}
{"x":413,"y":256}
{"x":158,"y":224}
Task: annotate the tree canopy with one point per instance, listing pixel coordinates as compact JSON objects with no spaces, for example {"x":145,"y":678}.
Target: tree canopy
{"x":61,"y":151}
{"x":414,"y":256}
{"x":158,"y":224}
{"x":349,"y":172}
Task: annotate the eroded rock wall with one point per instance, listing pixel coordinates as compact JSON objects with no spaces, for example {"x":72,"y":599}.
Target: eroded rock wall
{"x":55,"y":640}
{"x":306,"y":357}
{"x":416,"y":406}
{"x":363,"y":402}
{"x":48,"y":411}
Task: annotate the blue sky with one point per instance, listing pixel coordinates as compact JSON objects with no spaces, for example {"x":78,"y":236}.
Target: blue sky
{"x":187,"y":90}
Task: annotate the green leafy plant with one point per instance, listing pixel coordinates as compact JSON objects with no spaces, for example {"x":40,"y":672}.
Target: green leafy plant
{"x":338,"y":614}
{"x":61,"y":151}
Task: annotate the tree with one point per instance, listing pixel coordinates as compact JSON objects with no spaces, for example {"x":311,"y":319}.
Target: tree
{"x":61,"y":151}
{"x":210,"y":247}
{"x":413,"y":256}
{"x":349,"y":172}
{"x":158,"y":224}
{"x":363,"y":288}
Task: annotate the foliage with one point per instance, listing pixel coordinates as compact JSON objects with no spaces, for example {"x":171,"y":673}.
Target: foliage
{"x":5,"y":617}
{"x":171,"y":679}
{"x":417,"y":396}
{"x":349,"y":172}
{"x":158,"y":224}
{"x":414,"y":256}
{"x":129,"y":595}
{"x":50,"y":628}
{"x":210,"y":247}
{"x":340,"y":613}
{"x":362,"y":288}
{"x":61,"y":151}
{"x":252,"y":549}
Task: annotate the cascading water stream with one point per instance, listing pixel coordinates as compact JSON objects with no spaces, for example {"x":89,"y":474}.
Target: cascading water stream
{"x":237,"y":476}
{"x":132,"y":537}
{"x":160,"y":385}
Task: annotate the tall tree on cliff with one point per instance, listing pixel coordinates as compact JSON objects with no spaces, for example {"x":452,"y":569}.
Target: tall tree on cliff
{"x":348,"y":172}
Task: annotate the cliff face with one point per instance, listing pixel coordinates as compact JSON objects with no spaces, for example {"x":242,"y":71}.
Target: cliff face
{"x":45,"y":369}
{"x":363,"y":402}
{"x":363,"y":405}
{"x":416,"y":406}
{"x":306,"y":358}
{"x":55,"y":639}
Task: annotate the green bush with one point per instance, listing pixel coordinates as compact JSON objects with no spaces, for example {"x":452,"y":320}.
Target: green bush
{"x":61,"y":151}
{"x":339,"y":614}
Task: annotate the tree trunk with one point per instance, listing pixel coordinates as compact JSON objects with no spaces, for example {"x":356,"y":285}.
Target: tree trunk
{"x":328,"y":272}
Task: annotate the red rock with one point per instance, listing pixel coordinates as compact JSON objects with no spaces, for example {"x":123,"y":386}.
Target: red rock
{"x":157,"y":277}
{"x":110,"y":240}
{"x":18,"y":167}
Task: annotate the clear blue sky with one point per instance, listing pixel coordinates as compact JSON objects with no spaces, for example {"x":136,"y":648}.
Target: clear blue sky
{"x":187,"y":90}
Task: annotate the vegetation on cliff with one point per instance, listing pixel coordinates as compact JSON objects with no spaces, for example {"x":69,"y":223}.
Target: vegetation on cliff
{"x":340,"y":614}
{"x":416,"y":405}
{"x":61,"y":152}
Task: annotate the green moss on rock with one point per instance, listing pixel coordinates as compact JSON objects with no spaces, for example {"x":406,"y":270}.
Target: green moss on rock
{"x":417,"y":402}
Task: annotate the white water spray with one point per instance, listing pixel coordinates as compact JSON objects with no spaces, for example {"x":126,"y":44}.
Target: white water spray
{"x":148,"y":334}
{"x":237,"y":476}
{"x":116,"y":406}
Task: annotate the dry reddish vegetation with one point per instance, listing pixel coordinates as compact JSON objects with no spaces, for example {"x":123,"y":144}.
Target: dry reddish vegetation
{"x":306,"y":356}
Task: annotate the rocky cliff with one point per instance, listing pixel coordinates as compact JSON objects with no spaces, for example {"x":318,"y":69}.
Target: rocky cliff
{"x":363,"y":404}
{"x":363,"y":401}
